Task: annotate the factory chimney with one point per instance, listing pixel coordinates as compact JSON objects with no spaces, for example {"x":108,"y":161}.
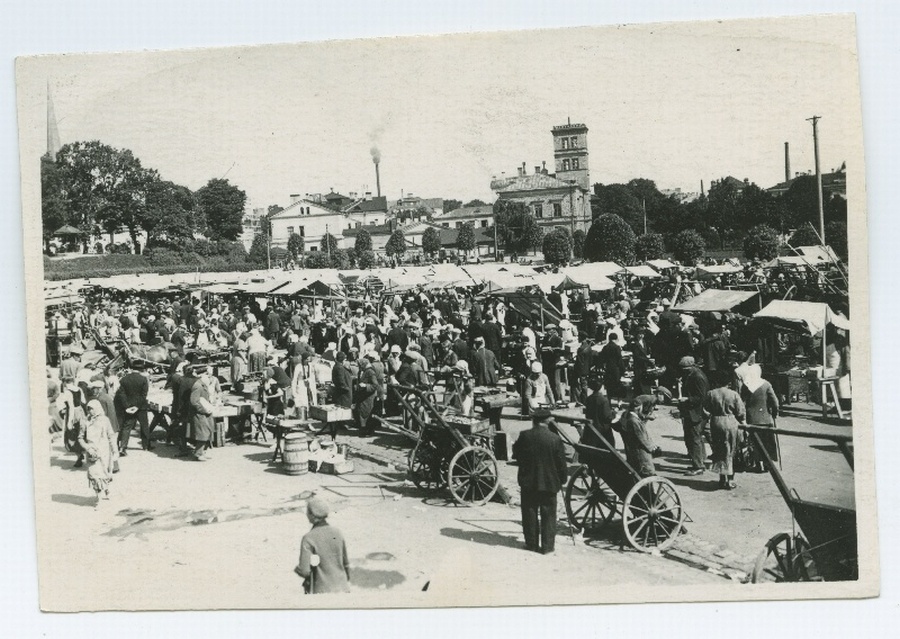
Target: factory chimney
{"x":787,"y":162}
{"x":376,"y":158}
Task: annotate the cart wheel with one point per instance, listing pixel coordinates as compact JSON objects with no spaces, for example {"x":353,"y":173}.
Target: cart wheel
{"x":590,"y":502}
{"x":784,"y":559}
{"x":424,"y":465}
{"x":652,"y":515}
{"x":472,"y":475}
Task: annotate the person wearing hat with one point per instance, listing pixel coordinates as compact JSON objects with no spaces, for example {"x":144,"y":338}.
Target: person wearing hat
{"x":542,"y":473}
{"x":131,"y":409}
{"x":200,"y":413}
{"x":397,"y":336}
{"x":463,"y":389}
{"x":600,"y":415}
{"x":99,"y":393}
{"x":726,"y":411}
{"x":613,"y":363}
{"x":98,"y":441}
{"x":695,"y":386}
{"x":460,"y":346}
{"x":367,"y":391}
{"x":342,"y":382}
{"x":582,"y":369}
{"x":324,"y":563}
{"x":538,"y":392}
{"x":70,"y":408}
{"x":256,"y":351}
{"x":551,"y":352}
{"x":639,"y":446}
{"x":486,"y":369}
{"x":70,"y":363}
{"x":668,"y":318}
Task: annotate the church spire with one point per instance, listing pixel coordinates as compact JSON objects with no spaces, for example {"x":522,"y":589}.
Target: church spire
{"x":53,"y":144}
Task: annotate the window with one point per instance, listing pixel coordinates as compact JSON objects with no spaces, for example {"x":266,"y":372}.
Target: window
{"x":573,"y":142}
{"x":565,"y":143}
{"x":565,"y":165}
{"x":446,"y":225}
{"x":301,"y":231}
{"x":358,"y":224}
{"x":557,"y":209}
{"x":313,"y":248}
{"x":574,"y":164}
{"x":484,"y":224}
{"x":290,"y":230}
{"x":539,"y":211}
{"x":458,"y":224}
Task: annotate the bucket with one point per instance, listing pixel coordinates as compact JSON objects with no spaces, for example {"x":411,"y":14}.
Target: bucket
{"x":296,"y":454}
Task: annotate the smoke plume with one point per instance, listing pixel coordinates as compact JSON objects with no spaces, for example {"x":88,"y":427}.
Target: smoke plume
{"x":376,"y":154}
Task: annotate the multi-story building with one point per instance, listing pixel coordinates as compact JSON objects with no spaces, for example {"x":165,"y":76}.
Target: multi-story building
{"x":479,"y":216}
{"x":559,"y":199}
{"x":312,"y":217}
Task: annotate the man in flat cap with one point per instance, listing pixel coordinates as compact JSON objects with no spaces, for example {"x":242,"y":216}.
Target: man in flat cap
{"x":542,"y":473}
{"x":695,"y":385}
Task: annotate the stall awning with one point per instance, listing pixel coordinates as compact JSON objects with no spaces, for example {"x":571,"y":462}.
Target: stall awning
{"x":714,"y":270}
{"x":260,"y":288}
{"x":811,"y":317}
{"x":642,"y":271}
{"x":661,"y":265}
{"x":595,"y":276}
{"x":715,"y":300}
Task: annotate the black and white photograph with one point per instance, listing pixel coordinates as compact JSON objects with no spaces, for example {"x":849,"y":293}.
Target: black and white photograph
{"x":534,"y":317}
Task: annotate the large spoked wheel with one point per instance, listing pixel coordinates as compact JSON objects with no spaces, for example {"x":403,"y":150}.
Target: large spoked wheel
{"x":424,"y":464}
{"x":652,"y":515}
{"x":784,"y":559}
{"x":590,"y":502}
{"x":472,"y":476}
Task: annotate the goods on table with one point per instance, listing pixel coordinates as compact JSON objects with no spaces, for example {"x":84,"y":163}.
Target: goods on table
{"x":469,"y":425}
{"x":331,"y":413}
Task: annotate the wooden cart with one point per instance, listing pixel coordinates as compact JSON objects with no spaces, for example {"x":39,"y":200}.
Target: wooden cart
{"x":451,"y":451}
{"x":605,"y":485}
{"x":825,"y":546}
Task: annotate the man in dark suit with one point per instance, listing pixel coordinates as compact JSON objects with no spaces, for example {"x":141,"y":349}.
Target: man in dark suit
{"x":695,"y":385}
{"x":542,"y":473}
{"x":493,"y":338}
{"x":613,"y":366}
{"x":342,"y":380}
{"x":485,"y":367}
{"x":131,"y":406}
{"x":397,"y":336}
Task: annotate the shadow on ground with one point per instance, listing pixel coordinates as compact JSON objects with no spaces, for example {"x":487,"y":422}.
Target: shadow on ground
{"x":74,"y":500}
{"x":481,"y":537}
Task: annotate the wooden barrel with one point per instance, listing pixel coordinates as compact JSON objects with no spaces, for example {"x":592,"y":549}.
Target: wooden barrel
{"x":296,"y":454}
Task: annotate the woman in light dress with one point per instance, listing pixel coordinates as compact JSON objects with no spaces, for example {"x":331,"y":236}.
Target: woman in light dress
{"x":98,"y":440}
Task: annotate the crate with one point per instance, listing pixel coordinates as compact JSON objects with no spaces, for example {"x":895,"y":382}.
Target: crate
{"x":470,"y":425}
{"x":330,"y":413}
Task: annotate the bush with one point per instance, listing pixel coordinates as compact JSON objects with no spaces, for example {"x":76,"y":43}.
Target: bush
{"x":557,"y":246}
{"x":649,"y":246}
{"x":316,"y":259}
{"x":761,"y":243}
{"x":836,"y":238}
{"x":365,"y":260}
{"x":610,"y":239}
{"x":688,"y":246}
{"x":118,"y":248}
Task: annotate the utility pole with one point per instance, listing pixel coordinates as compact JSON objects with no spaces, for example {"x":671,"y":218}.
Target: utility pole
{"x":327,"y":244}
{"x":496,"y":245}
{"x":644,"y":207}
{"x":815,"y":122}
{"x":268,"y":244}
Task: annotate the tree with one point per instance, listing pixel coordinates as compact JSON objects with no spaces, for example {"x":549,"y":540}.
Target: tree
{"x":452,"y":205}
{"x":295,"y":246}
{"x":687,"y":246}
{"x":340,"y":259}
{"x":610,"y":239}
{"x":649,"y":246}
{"x":363,"y":241}
{"x":329,"y":244}
{"x":722,"y":212}
{"x":431,"y":241}
{"x":514,"y":224}
{"x":761,"y":243}
{"x":222,"y":205}
{"x":578,"y":244}
{"x":806,"y":235}
{"x":365,"y":260}
{"x":54,"y":212}
{"x":617,"y":199}
{"x":396,"y":244}
{"x":170,"y":215}
{"x":105,"y":188}
{"x":465,"y":238}
{"x":836,"y":238}
{"x":476,"y":202}
{"x":557,"y":246}
{"x":259,"y":249}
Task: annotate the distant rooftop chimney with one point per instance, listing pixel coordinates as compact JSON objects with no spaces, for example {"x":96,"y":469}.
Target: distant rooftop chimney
{"x":295,"y":197}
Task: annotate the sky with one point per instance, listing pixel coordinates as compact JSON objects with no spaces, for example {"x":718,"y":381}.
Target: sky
{"x":676,"y":103}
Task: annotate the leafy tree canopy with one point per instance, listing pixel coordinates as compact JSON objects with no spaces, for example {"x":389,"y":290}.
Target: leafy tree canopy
{"x":688,"y":246}
{"x":557,"y":246}
{"x":396,"y":244}
{"x":649,"y":247}
{"x":610,"y":239}
{"x":465,"y":238}
{"x":761,"y":243}
{"x":431,"y":241}
{"x":222,"y":205}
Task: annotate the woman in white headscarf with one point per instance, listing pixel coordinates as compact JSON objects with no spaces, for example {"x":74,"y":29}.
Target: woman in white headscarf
{"x":98,"y":440}
{"x":537,"y":388}
{"x":761,"y":404}
{"x":464,"y":398}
